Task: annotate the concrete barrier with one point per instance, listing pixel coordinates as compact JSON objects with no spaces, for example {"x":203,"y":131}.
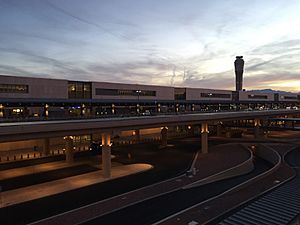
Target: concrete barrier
{"x":240,"y":169}
{"x":268,"y":154}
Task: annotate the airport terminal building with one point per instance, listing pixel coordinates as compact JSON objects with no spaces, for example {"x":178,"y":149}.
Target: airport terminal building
{"x":39,"y":98}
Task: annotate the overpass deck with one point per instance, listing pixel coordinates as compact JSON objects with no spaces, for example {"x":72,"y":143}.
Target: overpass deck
{"x":41,"y":129}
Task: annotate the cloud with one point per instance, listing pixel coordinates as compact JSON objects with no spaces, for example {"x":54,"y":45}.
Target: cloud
{"x":42,"y":64}
{"x":13,"y":70}
{"x":282,"y":47}
{"x":41,"y":37}
{"x":85,"y":21}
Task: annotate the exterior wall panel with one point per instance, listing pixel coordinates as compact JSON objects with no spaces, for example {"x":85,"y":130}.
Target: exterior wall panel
{"x":288,"y":97}
{"x":37,"y":87}
{"x":195,"y":94}
{"x":255,"y":96}
{"x":162,"y":93}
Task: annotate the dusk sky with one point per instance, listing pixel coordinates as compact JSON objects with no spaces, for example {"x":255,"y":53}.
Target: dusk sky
{"x":168,"y":42}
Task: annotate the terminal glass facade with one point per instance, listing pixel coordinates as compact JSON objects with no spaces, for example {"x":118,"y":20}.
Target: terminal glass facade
{"x":258,"y":96}
{"x":13,"y":88}
{"x":215,"y":95}
{"x":290,"y":97}
{"x":124,"y":92}
{"x":79,"y":90}
{"x":180,"y":93}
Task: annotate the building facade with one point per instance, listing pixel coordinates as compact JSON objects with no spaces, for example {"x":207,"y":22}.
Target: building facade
{"x":39,"y":98}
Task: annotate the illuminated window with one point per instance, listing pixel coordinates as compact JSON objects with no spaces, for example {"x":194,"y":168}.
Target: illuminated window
{"x":106,"y":91}
{"x":180,"y":93}
{"x":79,"y":90}
{"x":252,"y":96}
{"x":290,"y":97}
{"x":13,"y":88}
{"x":215,"y":95}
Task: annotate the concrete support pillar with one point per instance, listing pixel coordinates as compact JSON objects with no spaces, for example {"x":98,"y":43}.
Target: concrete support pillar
{"x":158,"y":108}
{"x":137,"y":136}
{"x":113,"y":109}
{"x":219,"y":130}
{"x":69,"y":149}
{"x":190,"y":130}
{"x":1,"y":111}
{"x":204,"y":138}
{"x":106,"y":155}
{"x":46,"y":111}
{"x":257,"y":124}
{"x":46,"y":147}
{"x":164,"y":136}
{"x":82,"y":110}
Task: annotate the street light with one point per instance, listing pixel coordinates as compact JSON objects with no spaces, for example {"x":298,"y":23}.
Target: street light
{"x":138,"y":92}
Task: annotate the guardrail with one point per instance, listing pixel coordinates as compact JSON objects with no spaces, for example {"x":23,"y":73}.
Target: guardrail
{"x":105,"y":116}
{"x":276,"y":206}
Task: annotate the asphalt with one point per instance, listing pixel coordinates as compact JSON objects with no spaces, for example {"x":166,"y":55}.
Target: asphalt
{"x":152,"y":210}
{"x":292,"y":159}
{"x":167,"y":163}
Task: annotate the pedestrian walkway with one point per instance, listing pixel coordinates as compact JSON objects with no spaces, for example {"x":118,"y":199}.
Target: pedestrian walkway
{"x":53,"y":187}
{"x":44,"y":167}
{"x":17,"y":172}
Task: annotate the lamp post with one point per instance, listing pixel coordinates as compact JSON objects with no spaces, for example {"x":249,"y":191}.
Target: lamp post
{"x":209,"y":102}
{"x":138,"y":92}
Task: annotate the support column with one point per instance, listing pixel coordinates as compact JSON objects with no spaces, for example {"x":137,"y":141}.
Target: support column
{"x":158,"y":108}
{"x":164,"y":136}
{"x":190,"y":130}
{"x":137,"y":136}
{"x":46,"y":111}
{"x":204,"y":138}
{"x":69,"y":149}
{"x":106,"y":155}
{"x":1,"y":111}
{"x":46,"y":147}
{"x":82,"y":110}
{"x":257,"y":124}
{"x":219,"y":130}
{"x":113,"y":109}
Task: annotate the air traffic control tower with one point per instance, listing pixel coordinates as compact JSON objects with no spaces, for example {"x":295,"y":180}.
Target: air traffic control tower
{"x":239,"y":69}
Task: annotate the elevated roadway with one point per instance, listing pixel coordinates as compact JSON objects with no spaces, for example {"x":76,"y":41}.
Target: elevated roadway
{"x":41,"y":129}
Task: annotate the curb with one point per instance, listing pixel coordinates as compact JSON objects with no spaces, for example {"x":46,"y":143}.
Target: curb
{"x":240,"y":169}
{"x":244,"y":184}
{"x":262,"y":193}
